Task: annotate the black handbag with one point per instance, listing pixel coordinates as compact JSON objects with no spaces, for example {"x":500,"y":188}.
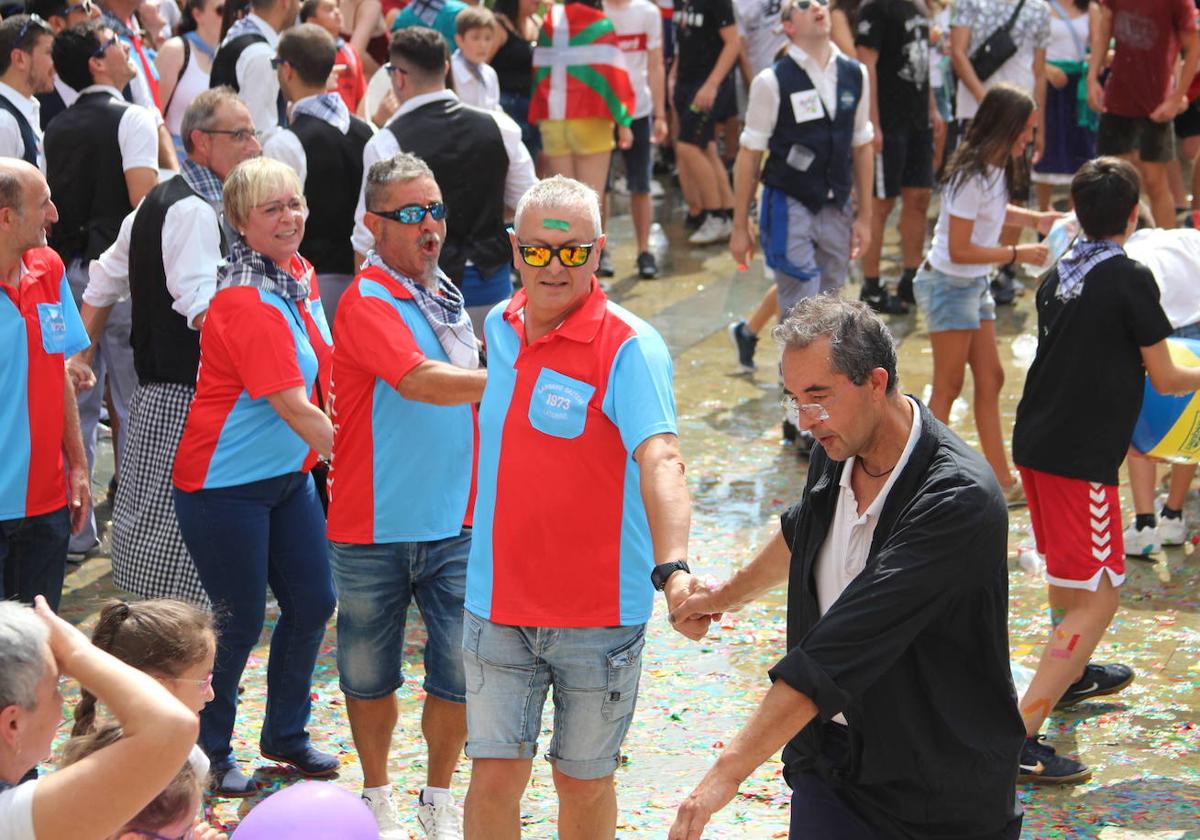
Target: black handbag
{"x":997,"y":49}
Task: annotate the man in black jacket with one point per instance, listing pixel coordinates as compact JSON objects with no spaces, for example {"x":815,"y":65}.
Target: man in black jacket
{"x":895,"y":692}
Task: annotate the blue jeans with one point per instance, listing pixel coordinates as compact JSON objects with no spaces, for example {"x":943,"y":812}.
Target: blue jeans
{"x":516,"y":105}
{"x":243,"y":538}
{"x":594,"y":671}
{"x":375,"y":584}
{"x":33,"y":556}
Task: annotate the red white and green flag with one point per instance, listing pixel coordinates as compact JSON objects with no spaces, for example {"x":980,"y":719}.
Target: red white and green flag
{"x":579,"y":69}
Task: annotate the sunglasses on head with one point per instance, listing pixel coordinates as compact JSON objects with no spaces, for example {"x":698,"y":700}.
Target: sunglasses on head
{"x":570,"y":256}
{"x":33,"y":24}
{"x":413,"y":214}
{"x":103,"y":48}
{"x":85,"y":6}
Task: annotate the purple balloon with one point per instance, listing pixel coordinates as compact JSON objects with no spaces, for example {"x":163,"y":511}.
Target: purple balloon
{"x":309,"y":811}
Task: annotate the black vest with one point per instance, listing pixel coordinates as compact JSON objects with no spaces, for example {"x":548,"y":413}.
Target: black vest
{"x":86,"y":176}
{"x":822,"y":168}
{"x":224,"y":70}
{"x":164,"y":348}
{"x":52,"y":105}
{"x":27,"y":135}
{"x":335,"y":168}
{"x":448,"y":135}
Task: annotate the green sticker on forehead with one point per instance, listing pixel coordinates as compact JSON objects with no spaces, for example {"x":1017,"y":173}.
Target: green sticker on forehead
{"x":556,"y":224}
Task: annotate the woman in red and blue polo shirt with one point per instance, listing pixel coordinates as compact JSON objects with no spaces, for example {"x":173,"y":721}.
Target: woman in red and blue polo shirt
{"x":246,"y":504}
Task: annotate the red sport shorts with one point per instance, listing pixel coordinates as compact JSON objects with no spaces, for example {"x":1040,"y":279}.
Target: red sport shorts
{"x":1077,"y":526}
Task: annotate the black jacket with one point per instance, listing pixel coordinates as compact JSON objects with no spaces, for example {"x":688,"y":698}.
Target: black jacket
{"x":915,"y":651}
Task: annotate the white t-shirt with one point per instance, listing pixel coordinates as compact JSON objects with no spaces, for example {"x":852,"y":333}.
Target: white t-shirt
{"x":843,"y":555}
{"x":16,"y":812}
{"x":137,"y":133}
{"x":756,"y":22}
{"x":1173,"y":257}
{"x":984,"y":200}
{"x":639,"y":29}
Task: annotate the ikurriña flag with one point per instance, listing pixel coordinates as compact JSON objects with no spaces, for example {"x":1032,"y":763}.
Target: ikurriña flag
{"x":579,"y":69}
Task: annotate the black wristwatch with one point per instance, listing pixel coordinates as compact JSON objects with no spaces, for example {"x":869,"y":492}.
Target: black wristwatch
{"x":662,"y":572}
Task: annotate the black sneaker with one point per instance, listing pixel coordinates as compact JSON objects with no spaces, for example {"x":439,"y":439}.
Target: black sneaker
{"x":883,"y":301}
{"x":1004,"y":287}
{"x":745,"y":342}
{"x":1097,"y":681}
{"x":647,"y":266}
{"x":904,"y":291}
{"x":1040,"y":765}
{"x":605,"y":269}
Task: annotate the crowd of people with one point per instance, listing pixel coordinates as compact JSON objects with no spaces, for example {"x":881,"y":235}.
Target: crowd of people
{"x":277,"y":242}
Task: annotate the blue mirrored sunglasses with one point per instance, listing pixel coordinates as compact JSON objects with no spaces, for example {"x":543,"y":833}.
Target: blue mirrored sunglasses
{"x":412,"y":214}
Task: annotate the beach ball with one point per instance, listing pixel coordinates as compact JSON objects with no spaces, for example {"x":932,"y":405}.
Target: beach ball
{"x":1169,"y":427}
{"x":309,"y":811}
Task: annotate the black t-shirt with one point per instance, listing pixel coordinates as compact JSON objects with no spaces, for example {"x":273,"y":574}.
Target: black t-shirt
{"x":899,"y":32}
{"x":698,"y":35}
{"x":1084,"y":390}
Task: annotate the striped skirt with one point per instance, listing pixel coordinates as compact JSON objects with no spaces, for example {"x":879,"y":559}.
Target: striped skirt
{"x":149,"y":557}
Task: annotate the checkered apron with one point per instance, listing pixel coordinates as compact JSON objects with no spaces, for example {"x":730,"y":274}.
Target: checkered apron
{"x":149,"y":557}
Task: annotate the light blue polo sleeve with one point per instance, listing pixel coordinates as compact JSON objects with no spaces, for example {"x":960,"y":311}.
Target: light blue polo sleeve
{"x":76,"y":337}
{"x":640,"y":399}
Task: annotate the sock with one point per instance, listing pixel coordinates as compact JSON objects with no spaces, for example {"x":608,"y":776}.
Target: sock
{"x":1168,"y":513}
{"x":870,"y":284}
{"x":432,"y":795}
{"x":726,"y":213}
{"x":377,"y":794}
{"x":1145,"y":520}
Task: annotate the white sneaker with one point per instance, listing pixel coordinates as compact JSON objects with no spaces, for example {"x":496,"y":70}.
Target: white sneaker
{"x":714,"y":230}
{"x":384,"y":811}
{"x":441,"y":820}
{"x":1139,"y":543}
{"x":1172,"y":531}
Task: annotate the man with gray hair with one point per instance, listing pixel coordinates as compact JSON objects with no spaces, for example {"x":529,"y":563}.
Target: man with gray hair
{"x":165,"y":258}
{"x":89,"y":800}
{"x":895,"y":699}
{"x":406,"y":375}
{"x":582,"y":513}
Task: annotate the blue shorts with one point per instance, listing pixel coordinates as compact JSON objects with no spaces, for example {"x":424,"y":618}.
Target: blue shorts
{"x":953,"y":303}
{"x":594,"y":672}
{"x":375,"y":584}
{"x":637,"y":156}
{"x":486,"y":289}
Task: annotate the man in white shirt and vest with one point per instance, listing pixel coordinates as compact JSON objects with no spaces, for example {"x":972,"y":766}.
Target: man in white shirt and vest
{"x":243,"y":61}
{"x":26,"y":68}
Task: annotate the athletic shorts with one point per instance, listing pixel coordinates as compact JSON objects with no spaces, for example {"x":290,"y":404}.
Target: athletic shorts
{"x":698,"y":128}
{"x":638,"y":156}
{"x":1154,"y":142}
{"x":579,"y":136}
{"x":1077,"y":526}
{"x":905,"y":163}
{"x":1187,"y":124}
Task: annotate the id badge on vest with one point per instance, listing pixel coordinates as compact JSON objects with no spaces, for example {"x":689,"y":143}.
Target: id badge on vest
{"x":806,"y":106}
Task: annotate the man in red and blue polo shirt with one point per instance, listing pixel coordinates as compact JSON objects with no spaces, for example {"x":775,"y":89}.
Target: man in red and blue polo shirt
{"x":405,"y":377}
{"x":39,"y":328}
{"x":582,"y":511}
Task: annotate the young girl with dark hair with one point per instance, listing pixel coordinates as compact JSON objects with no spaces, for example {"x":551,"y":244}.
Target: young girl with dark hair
{"x":952,"y":286}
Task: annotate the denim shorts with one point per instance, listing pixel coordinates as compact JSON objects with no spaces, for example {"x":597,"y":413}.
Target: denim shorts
{"x":953,"y":303}
{"x":594,"y":672}
{"x":375,"y":584}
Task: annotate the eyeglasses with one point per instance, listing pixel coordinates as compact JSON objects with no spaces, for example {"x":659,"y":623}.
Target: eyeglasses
{"x":141,"y":832}
{"x":239,"y":135}
{"x":570,"y":256}
{"x":103,"y":48}
{"x":274,"y":209}
{"x":203,"y":684}
{"x":86,"y":6}
{"x":395,"y":68}
{"x":33,"y":23}
{"x":794,"y":411}
{"x":805,"y":5}
{"x":276,"y":61}
{"x":413,"y":214}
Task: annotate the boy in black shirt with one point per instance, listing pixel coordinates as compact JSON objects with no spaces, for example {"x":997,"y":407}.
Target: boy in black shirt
{"x":1100,"y":331}
{"x":708,"y":46}
{"x":892,"y":40}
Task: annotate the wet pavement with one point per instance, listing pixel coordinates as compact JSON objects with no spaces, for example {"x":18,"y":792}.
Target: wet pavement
{"x":1143,"y":744}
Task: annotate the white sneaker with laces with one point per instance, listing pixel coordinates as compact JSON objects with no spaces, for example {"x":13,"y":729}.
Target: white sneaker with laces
{"x":712,"y":231}
{"x":384,"y":811}
{"x":1139,"y":543}
{"x":1172,"y":531}
{"x":441,"y":819}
